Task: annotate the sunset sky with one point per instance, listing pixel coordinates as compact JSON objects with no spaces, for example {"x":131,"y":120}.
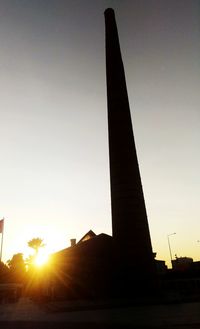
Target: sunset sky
{"x":54,"y":176}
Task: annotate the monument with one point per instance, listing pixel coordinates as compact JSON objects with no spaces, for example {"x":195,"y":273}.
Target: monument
{"x":131,"y":236}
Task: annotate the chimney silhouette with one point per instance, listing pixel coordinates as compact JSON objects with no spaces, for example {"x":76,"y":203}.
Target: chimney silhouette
{"x":129,"y":219}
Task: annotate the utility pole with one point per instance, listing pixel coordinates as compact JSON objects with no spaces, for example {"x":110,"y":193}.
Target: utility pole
{"x":170,"y":250}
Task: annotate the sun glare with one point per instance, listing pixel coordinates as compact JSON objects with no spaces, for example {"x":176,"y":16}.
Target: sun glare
{"x":41,"y":258}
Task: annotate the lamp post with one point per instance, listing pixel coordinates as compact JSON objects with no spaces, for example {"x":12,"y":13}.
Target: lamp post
{"x":170,"y":251}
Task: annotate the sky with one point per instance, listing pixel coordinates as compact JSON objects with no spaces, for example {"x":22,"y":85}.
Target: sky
{"x":54,"y":176}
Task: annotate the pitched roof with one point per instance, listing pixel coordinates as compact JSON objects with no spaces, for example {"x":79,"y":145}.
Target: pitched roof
{"x":89,"y":235}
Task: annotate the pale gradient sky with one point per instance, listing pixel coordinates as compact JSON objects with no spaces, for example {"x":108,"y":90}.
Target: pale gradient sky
{"x":54,"y":177}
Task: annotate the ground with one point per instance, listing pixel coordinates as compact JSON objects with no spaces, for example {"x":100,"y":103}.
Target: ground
{"x":25,"y":314}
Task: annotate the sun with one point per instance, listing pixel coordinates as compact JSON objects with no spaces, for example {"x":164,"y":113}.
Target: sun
{"x":41,"y":258}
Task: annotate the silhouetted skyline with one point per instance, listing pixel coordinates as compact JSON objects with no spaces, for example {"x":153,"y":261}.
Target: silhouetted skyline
{"x":54,"y":147}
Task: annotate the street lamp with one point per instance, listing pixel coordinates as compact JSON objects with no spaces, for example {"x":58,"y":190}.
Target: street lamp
{"x":170,"y":251}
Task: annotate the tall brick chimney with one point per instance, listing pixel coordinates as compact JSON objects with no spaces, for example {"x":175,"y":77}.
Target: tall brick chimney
{"x":129,"y":219}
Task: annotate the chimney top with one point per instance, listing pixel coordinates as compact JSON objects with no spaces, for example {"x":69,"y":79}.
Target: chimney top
{"x":73,"y":242}
{"x":109,"y":11}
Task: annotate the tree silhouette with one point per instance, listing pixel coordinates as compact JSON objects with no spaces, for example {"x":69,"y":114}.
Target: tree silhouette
{"x":17,"y":268}
{"x":4,"y":273}
{"x":36,"y":244}
{"x":34,"y":275}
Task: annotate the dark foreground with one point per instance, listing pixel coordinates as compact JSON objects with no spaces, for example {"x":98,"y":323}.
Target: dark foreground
{"x":56,"y":325}
{"x":65,"y":325}
{"x":25,"y":314}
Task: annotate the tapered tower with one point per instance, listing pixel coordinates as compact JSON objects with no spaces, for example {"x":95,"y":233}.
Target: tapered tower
{"x":129,"y":219}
